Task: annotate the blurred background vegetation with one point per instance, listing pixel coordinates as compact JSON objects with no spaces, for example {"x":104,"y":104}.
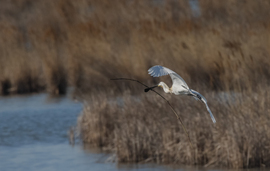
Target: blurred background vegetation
{"x":55,"y":43}
{"x":216,"y":46}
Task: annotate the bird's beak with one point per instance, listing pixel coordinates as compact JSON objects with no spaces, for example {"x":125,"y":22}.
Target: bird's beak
{"x":149,"y":88}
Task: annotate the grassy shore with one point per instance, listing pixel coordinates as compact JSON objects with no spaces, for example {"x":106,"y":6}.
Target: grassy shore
{"x":224,"y":48}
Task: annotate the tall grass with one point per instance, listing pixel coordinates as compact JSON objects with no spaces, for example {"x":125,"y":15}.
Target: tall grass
{"x":144,"y":129}
{"x":50,"y":45}
{"x":83,"y":44}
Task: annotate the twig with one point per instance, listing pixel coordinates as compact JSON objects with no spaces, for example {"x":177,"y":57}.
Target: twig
{"x":177,"y":116}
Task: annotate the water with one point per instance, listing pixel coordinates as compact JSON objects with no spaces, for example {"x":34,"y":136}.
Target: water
{"x":33,"y":136}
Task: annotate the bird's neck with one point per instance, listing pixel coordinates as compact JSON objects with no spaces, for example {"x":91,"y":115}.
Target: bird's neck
{"x":165,"y":87}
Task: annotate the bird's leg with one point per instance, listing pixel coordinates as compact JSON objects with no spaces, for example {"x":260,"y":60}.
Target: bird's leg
{"x":150,"y":88}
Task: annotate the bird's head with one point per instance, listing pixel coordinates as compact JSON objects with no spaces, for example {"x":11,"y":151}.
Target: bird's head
{"x":160,"y":85}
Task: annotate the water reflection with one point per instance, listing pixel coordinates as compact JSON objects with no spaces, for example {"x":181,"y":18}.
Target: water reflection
{"x":36,"y":119}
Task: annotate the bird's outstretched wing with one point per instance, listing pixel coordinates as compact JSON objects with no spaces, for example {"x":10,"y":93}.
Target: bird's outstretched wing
{"x":158,"y":71}
{"x":203,"y":99}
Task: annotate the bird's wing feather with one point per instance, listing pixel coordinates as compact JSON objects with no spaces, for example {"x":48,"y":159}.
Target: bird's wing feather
{"x":158,"y":71}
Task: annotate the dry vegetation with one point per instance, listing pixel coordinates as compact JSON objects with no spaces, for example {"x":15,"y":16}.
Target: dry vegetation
{"x":55,"y":43}
{"x":144,"y":129}
{"x":52,"y":44}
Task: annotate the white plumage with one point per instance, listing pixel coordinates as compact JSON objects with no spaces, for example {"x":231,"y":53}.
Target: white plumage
{"x":179,"y":86}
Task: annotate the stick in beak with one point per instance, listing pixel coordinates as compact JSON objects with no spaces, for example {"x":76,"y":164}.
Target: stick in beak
{"x":150,"y":88}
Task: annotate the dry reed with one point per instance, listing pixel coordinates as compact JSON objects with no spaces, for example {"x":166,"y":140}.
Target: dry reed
{"x":143,"y":129}
{"x":50,"y":45}
{"x":83,"y":44}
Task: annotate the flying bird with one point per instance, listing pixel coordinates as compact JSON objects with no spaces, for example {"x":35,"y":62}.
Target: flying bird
{"x":179,"y":86}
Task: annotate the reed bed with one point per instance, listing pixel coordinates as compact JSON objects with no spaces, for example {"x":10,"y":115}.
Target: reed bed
{"x":143,"y":129}
{"x":84,"y":43}
{"x":222,"y":48}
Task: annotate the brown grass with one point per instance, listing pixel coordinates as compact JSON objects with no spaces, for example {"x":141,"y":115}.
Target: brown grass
{"x":50,"y":45}
{"x":144,"y":129}
{"x":83,"y":44}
